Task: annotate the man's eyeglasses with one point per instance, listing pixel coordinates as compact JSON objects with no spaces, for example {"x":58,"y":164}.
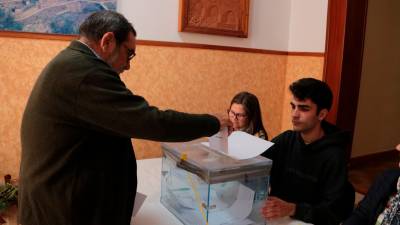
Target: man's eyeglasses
{"x":237,"y":116}
{"x":131,"y":54}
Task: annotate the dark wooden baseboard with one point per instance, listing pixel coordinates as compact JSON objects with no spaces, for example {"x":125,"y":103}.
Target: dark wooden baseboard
{"x":363,"y":170}
{"x":364,"y":160}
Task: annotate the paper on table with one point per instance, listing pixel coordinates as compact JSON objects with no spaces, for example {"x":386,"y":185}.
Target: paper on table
{"x":139,"y":199}
{"x":240,"y":145}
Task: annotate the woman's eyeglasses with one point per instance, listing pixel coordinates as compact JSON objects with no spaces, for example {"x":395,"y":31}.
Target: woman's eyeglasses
{"x":237,"y":116}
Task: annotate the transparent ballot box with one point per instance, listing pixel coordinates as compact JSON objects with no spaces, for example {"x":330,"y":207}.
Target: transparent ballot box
{"x":201,"y":186}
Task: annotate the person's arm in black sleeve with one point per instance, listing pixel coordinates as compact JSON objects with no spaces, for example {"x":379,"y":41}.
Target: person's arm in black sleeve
{"x":106,"y":105}
{"x":336,"y":196}
{"x":375,"y":200}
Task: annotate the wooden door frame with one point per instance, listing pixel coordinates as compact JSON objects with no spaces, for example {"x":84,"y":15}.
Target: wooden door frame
{"x":344,"y":49}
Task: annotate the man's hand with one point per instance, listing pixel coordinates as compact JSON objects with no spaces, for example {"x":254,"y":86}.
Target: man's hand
{"x":224,"y":121}
{"x":275,"y":208}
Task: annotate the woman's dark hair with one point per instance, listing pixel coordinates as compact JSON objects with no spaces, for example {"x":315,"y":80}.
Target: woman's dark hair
{"x":252,"y":107}
{"x":101,"y":22}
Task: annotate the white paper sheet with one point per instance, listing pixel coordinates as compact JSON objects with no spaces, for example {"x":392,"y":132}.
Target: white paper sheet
{"x":139,"y":199}
{"x":240,"y":145}
{"x":219,"y":141}
{"x":239,"y":210}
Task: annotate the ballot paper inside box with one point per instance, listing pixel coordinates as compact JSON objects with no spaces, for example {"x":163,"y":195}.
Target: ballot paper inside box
{"x":201,"y":186}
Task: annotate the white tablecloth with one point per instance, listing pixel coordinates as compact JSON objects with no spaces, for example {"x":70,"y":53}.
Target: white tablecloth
{"x":152,"y":212}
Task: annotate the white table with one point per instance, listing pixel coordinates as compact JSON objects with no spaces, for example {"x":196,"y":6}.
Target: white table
{"x":152,"y":212}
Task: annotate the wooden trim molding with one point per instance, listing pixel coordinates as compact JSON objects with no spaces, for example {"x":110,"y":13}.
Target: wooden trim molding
{"x":227,"y":48}
{"x":343,"y":61}
{"x":316,"y":54}
{"x":363,"y":170}
{"x":372,"y":158}
{"x":206,"y":46}
{"x":353,"y":52}
{"x":13,"y":34}
{"x":31,"y":35}
{"x":334,"y":44}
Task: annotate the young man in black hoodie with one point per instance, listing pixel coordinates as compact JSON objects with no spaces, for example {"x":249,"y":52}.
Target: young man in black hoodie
{"x":309,"y":179}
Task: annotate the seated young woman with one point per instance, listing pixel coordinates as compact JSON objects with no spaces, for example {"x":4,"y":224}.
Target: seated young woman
{"x":245,"y":114}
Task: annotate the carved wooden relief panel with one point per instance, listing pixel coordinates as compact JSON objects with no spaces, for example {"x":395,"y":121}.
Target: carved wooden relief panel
{"x":221,"y":17}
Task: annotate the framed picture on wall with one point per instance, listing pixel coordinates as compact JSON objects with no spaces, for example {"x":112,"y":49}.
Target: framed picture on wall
{"x":49,"y":16}
{"x":220,"y":17}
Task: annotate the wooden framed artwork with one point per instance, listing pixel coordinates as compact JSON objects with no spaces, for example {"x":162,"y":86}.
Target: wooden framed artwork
{"x":220,"y":17}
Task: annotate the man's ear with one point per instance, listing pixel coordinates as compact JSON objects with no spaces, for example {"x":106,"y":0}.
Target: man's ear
{"x":322,"y":114}
{"x":108,"y":43}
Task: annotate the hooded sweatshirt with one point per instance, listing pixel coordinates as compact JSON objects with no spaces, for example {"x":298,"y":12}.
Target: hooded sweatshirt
{"x":313,"y":176}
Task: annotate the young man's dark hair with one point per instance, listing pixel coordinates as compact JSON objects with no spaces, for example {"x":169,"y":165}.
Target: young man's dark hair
{"x":97,"y":24}
{"x":316,"y":90}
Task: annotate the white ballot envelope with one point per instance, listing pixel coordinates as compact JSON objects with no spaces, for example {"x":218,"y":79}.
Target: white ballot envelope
{"x":238,"y":145}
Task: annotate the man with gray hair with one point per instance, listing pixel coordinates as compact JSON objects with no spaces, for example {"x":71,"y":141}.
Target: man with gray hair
{"x":78,"y":165}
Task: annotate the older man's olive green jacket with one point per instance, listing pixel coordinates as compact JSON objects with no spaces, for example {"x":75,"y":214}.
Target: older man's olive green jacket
{"x":78,"y":166}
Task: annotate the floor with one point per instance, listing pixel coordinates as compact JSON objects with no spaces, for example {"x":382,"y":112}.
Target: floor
{"x":362,"y":175}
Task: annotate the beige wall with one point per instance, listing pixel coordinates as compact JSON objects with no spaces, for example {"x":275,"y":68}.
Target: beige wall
{"x":284,"y":25}
{"x":187,"y":79}
{"x":21,"y":60}
{"x":378,"y":115}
